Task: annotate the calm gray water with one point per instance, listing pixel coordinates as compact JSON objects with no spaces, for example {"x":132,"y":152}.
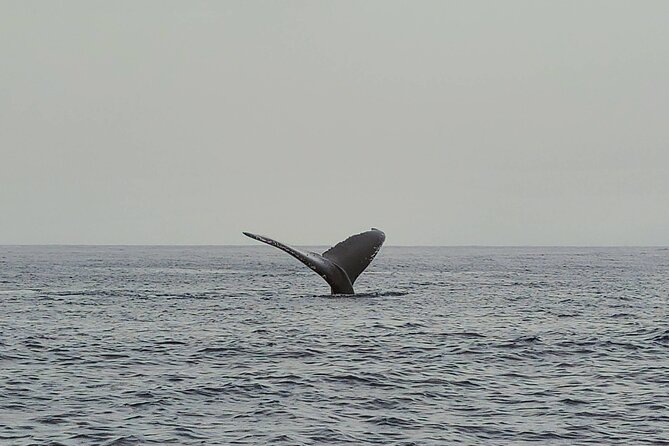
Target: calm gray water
{"x":242,"y":345}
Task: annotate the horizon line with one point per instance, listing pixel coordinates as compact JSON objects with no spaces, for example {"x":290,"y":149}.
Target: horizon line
{"x":311,"y":245}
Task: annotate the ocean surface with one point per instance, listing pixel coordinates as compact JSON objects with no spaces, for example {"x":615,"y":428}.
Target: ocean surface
{"x":216,"y":345}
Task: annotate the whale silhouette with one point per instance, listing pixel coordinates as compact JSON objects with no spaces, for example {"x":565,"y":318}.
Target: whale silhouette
{"x":339,"y":265}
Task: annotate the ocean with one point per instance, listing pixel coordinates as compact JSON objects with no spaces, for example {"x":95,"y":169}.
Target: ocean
{"x":218,"y":345}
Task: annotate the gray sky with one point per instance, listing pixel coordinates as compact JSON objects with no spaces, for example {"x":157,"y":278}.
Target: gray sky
{"x":440,"y":122}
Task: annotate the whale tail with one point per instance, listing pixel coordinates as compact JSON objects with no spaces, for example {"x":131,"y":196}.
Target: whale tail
{"x":340,"y":265}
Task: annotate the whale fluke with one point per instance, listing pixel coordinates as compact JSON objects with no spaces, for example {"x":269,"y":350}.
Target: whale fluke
{"x":339,"y":265}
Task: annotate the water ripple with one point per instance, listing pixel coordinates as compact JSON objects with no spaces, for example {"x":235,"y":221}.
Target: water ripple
{"x":209,"y":345}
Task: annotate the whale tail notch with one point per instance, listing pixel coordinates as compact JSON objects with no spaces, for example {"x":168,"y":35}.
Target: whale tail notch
{"x":340,"y":265}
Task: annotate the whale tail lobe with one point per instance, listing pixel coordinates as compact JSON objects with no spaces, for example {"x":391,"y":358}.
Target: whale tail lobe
{"x":340,"y":265}
{"x":355,"y":253}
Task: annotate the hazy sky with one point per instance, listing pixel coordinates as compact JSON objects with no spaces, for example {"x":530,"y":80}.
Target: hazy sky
{"x":440,"y":122}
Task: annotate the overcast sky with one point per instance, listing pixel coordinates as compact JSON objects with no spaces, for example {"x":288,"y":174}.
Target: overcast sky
{"x":440,"y":122}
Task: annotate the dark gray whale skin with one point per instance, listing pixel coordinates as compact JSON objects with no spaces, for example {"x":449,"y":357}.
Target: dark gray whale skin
{"x":339,"y":265}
